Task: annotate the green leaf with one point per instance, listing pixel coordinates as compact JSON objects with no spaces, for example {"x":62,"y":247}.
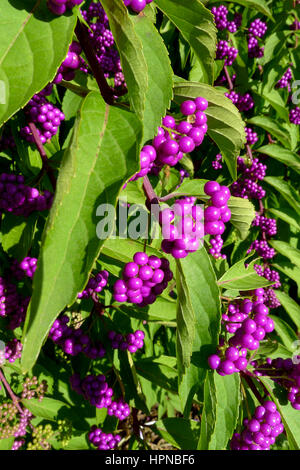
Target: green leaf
{"x":290,"y":270}
{"x":6,"y":444}
{"x":225,"y":125}
{"x":286,"y":190}
{"x":290,"y":306}
{"x":272,"y":349}
{"x":289,"y":416}
{"x":179,"y":432}
{"x":134,"y":65}
{"x":203,"y":292}
{"x":242,"y":278}
{"x":78,"y":442}
{"x":288,"y":215}
{"x":48,"y":408}
{"x":160,"y":75}
{"x":287,"y":335}
{"x":185,"y":319}
{"x":289,"y":158}
{"x":34,"y":42}
{"x":17,"y":234}
{"x":195,"y":22}
{"x":221,"y":410}
{"x":273,"y":127}
{"x":105,"y":138}
{"x":287,"y":250}
{"x":159,"y":370}
{"x":259,"y":5}
{"x":242,"y":215}
{"x":274,"y":45}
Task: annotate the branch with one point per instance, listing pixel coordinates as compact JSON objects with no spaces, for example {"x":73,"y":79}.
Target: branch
{"x":251,"y":385}
{"x":85,"y":42}
{"x":43,"y":154}
{"x":228,"y":78}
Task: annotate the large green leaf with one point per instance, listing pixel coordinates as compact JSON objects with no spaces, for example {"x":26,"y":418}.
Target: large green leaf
{"x":48,"y":408}
{"x":242,"y":278}
{"x":242,"y":215}
{"x":105,"y":138}
{"x":287,"y":250}
{"x":286,"y":190}
{"x":286,"y":333}
{"x":181,"y":433}
{"x":185,"y":322}
{"x":203,"y":292}
{"x":196,"y":25}
{"x":34,"y":42}
{"x":130,"y":48}
{"x":288,"y":215}
{"x":290,"y":270}
{"x":221,"y":410}
{"x":225,"y":125}
{"x":159,"y":370}
{"x":290,"y":306}
{"x":17,"y":234}
{"x":273,"y":127}
{"x":160,"y":75}
{"x":289,"y":158}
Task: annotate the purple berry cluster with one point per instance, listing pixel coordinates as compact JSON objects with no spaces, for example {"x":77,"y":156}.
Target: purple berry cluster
{"x":147,"y":159}
{"x":26,"y":267}
{"x":95,"y":285}
{"x":74,"y":341}
{"x":103,"y":441}
{"x":284,"y":372}
{"x":182,"y":227}
{"x":47,"y":117}
{"x":220,"y":13}
{"x":72,"y":62}
{"x":284,"y":82}
{"x":242,"y":102}
{"x":262,"y":248}
{"x":248,"y":321}
{"x":94,"y":388}
{"x":251,"y":136}
{"x":59,"y":7}
{"x":13,"y":350}
{"x":246,"y":185}
{"x":17,"y":444}
{"x":226,"y":52}
{"x":269,"y":274}
{"x":294,"y":115}
{"x":257,"y":28}
{"x":103,"y":42}
{"x":217,"y":163}
{"x":173,"y":140}
{"x":216,"y":214}
{"x":7,"y":141}
{"x":137,"y":5}
{"x":19,"y":199}
{"x":266,"y":224}
{"x":12,"y":305}
{"x":254,"y":50}
{"x":119,"y":409}
{"x":261,"y":430}
{"x":143,"y":279}
{"x":132,"y":342}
